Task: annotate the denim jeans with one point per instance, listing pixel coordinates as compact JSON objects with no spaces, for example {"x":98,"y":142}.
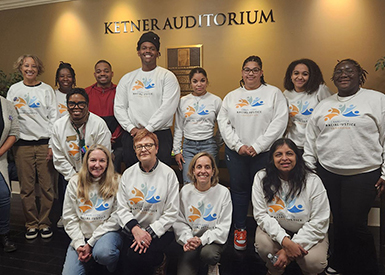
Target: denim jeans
{"x":5,"y":206}
{"x":105,"y":252}
{"x":193,"y":147}
{"x":242,"y":170}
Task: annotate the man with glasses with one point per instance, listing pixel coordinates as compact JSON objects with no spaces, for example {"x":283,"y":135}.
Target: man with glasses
{"x":74,"y":133}
{"x":147,"y":98}
{"x":148,"y":203}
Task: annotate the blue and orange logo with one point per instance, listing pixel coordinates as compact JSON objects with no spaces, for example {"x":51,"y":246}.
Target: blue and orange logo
{"x":196,"y":109}
{"x":278,"y":204}
{"x":300,"y":108}
{"x":94,"y":202}
{"x":342,"y":110}
{"x":144,"y":84}
{"x":74,"y":149}
{"x":144,"y":194}
{"x":250,"y":102}
{"x":30,"y":102}
{"x":62,"y":108}
{"x":202,"y":211}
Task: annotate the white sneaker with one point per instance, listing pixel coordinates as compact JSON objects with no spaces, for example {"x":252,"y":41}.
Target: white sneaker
{"x":213,"y":270}
{"x":60,"y":223}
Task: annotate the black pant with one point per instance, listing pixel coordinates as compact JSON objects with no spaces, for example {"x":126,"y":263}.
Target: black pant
{"x":145,"y":263}
{"x":351,"y":198}
{"x":164,"y":151}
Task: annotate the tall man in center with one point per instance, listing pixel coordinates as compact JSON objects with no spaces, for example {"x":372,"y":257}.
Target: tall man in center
{"x":147,"y":98}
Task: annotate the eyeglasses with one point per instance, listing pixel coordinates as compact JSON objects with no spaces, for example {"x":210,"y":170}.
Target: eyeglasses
{"x":339,"y":72}
{"x":248,"y":70}
{"x":73,"y":104}
{"x":147,"y":146}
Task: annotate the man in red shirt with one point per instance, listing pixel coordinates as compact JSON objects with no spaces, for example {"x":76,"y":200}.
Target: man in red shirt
{"x":102,"y":96}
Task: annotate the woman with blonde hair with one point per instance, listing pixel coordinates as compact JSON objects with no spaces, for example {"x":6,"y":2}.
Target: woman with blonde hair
{"x":204,"y":218}
{"x":89,"y":203}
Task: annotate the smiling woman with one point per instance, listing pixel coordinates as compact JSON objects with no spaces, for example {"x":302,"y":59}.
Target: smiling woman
{"x":291,"y":209}
{"x":349,"y":123}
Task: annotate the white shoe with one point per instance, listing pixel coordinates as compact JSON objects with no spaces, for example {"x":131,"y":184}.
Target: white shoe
{"x":213,"y":270}
{"x":60,"y":223}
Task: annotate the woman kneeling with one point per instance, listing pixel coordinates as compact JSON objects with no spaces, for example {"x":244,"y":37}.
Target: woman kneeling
{"x":292,"y":211}
{"x":204,"y":218}
{"x":89,"y":202}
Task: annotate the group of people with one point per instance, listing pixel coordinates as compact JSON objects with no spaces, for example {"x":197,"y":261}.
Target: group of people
{"x":291,"y":154}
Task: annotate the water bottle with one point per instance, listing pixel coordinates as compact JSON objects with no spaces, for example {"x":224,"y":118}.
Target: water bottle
{"x":272,"y":258}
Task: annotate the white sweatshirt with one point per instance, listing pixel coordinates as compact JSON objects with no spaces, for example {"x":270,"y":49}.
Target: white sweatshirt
{"x":346,"y":134}
{"x":253,"y":117}
{"x":195,"y":118}
{"x":150,"y":198}
{"x":36,"y":108}
{"x":301,"y":106}
{"x":61,"y":101}
{"x":87,"y":219}
{"x":147,"y":99}
{"x":204,"y":214}
{"x":67,"y":156}
{"x":307,"y":215}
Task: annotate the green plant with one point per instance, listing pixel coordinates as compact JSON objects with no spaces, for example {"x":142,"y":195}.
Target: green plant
{"x":7,"y":80}
{"x":380,"y":64}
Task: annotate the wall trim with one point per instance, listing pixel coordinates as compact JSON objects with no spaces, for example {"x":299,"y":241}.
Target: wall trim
{"x":16,"y":4}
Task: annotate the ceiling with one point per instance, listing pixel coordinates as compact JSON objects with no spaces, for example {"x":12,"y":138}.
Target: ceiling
{"x":15,"y":4}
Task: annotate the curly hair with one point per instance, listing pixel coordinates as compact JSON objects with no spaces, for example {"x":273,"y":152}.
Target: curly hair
{"x":19,"y":62}
{"x":315,"y":75}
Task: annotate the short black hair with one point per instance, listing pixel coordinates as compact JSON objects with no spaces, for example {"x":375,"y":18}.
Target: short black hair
{"x":315,"y":75}
{"x":197,"y":70}
{"x":103,"y":61}
{"x":79,"y":91}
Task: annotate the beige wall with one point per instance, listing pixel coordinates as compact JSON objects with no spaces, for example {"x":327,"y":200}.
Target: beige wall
{"x":323,"y":30}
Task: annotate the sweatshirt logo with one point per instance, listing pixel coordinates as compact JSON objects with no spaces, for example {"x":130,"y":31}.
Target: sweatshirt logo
{"x":249,"y":102}
{"x":200,"y":110}
{"x":94,"y":202}
{"x":342,"y":110}
{"x":300,"y":108}
{"x":146,"y":84}
{"x":278,"y":204}
{"x":202,"y":211}
{"x":74,"y":149}
{"x":144,"y":194}
{"x":30,"y":102}
{"x":62,"y":108}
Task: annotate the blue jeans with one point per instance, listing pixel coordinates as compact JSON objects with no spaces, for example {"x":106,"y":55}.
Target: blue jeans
{"x":242,"y":170}
{"x":193,"y":147}
{"x":5,"y":206}
{"x":105,"y":252}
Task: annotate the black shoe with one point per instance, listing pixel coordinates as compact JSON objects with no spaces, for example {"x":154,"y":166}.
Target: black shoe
{"x":46,"y":233}
{"x":8,"y":245}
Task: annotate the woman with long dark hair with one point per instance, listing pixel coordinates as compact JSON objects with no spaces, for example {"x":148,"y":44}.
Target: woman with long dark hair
{"x":251,"y":118}
{"x":291,"y":209}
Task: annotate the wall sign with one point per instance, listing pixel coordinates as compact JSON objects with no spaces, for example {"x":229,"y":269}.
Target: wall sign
{"x":190,"y":21}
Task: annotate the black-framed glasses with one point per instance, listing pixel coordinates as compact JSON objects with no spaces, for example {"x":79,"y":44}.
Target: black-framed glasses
{"x":73,"y":104}
{"x":146,"y":146}
{"x":248,"y":70}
